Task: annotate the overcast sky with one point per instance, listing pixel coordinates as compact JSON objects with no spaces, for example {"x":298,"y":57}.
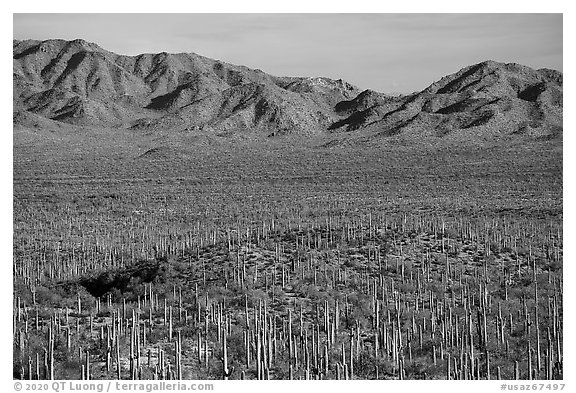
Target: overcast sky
{"x":383,"y":52}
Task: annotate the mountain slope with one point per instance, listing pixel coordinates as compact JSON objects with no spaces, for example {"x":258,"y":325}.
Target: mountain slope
{"x":78,"y":82}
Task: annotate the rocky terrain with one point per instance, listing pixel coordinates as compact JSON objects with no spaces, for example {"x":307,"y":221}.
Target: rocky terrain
{"x":489,"y":97}
{"x":177,"y":217}
{"x":77,"y":82}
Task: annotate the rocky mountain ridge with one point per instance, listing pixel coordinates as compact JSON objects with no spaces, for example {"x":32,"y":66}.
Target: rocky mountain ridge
{"x":77,"y":82}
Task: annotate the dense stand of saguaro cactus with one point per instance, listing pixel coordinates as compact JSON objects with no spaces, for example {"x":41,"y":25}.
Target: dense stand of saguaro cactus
{"x":371,"y":296}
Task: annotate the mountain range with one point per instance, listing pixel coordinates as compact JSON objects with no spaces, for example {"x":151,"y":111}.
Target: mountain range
{"x":79,"y":83}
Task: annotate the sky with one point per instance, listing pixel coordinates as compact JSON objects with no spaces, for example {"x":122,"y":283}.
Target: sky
{"x":396,"y":53}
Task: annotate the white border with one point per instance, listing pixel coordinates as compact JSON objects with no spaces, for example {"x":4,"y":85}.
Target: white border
{"x":419,"y":6}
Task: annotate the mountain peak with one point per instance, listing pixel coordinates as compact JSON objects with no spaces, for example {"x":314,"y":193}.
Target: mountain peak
{"x":485,"y":99}
{"x":84,"y":45}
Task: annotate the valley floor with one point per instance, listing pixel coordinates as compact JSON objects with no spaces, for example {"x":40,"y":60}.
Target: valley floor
{"x":149,"y":256}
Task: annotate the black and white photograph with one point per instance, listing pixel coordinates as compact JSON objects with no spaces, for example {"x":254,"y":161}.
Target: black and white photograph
{"x":287,"y":196}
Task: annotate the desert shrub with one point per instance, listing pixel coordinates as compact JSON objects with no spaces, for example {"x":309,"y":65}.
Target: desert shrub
{"x":48,"y":297}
